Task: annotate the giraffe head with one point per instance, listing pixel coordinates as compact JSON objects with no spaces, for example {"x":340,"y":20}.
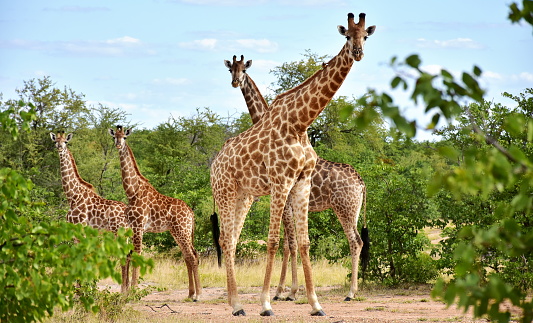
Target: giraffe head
{"x":60,"y":139}
{"x":237,"y":70}
{"x":356,"y":35}
{"x":120,"y":136}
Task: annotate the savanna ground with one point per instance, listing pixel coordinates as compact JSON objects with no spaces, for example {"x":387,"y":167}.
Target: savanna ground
{"x":166,"y":299}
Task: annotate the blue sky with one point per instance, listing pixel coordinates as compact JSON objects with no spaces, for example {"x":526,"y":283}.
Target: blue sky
{"x":162,"y":58}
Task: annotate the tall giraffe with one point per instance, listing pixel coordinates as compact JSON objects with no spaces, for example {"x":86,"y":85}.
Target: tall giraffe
{"x":333,"y":185}
{"x":85,"y":206}
{"x":275,"y":157}
{"x":150,"y":211}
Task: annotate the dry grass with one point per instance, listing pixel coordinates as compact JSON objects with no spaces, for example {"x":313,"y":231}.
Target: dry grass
{"x":171,"y":274}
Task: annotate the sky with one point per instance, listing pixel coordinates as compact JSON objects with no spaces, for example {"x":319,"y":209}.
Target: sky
{"x":157,"y":59}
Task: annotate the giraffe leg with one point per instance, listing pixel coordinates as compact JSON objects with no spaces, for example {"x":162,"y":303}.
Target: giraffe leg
{"x":293,"y":247}
{"x":348,"y":217}
{"x":190,"y":257}
{"x":284,"y":266}
{"x":290,"y":247}
{"x":300,"y":203}
{"x":137,"y":244}
{"x":277,"y":205}
{"x":232,"y":214}
{"x":356,"y":245}
{"x":125,"y":281}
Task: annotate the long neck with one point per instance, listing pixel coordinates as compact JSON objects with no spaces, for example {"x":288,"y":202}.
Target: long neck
{"x":132,"y":179}
{"x":257,"y":105}
{"x":73,"y":184}
{"x":304,"y":103}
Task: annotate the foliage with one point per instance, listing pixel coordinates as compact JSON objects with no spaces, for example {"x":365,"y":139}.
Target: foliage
{"x":486,"y":168}
{"x":40,"y":265}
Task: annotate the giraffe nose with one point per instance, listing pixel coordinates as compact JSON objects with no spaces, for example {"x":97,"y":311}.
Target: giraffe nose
{"x":235,"y":83}
{"x":358,"y":54}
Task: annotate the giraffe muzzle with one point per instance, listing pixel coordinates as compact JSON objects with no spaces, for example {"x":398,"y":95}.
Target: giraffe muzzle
{"x":358,"y":54}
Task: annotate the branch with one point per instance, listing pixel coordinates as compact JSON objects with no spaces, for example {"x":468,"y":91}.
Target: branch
{"x":493,"y":142}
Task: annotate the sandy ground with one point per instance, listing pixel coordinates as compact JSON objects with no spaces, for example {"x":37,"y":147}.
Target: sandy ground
{"x":401,"y":305}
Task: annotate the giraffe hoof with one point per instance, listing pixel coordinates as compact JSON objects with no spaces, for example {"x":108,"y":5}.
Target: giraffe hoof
{"x":267,"y":313}
{"x":290,"y":299}
{"x":239,"y":313}
{"x":277,"y":298}
{"x":319,"y":313}
{"x":347,"y":299}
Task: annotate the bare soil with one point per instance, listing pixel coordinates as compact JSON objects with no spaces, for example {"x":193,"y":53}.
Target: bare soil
{"x":398,"y":305}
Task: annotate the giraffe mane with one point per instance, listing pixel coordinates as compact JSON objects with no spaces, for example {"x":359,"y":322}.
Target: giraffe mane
{"x":80,"y":180}
{"x":304,"y":83}
{"x":135,"y":166}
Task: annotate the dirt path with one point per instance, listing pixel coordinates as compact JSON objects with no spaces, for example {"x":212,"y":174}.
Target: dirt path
{"x":399,"y":305}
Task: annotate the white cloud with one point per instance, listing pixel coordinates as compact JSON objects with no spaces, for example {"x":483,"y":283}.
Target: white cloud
{"x":211,"y":44}
{"x":127,"y":40}
{"x":463,"y":43}
{"x":525,"y":76}
{"x":170,"y":81}
{"x":492,"y":75}
{"x":432,"y":69}
{"x":123,"y":46}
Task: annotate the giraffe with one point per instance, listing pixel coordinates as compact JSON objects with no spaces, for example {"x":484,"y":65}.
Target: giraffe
{"x":85,"y":206}
{"x":333,"y":185}
{"x":275,"y":157}
{"x":150,"y":211}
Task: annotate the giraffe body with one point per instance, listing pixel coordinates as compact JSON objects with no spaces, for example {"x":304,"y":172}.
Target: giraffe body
{"x":333,"y":185}
{"x":150,"y":211}
{"x":85,"y":206}
{"x":275,"y":157}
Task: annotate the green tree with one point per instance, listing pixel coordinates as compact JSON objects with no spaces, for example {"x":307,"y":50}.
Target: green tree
{"x":40,"y":266}
{"x":482,"y":172}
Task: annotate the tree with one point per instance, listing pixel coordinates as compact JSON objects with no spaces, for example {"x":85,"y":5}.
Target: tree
{"x":40,"y":266}
{"x":482,"y":172}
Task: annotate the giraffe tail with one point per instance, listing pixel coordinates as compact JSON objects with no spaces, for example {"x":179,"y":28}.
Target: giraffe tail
{"x":216,"y":236}
{"x":365,"y":252}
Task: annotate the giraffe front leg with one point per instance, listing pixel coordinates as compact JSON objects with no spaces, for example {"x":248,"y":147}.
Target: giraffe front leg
{"x":137,"y":244}
{"x":232,"y":215}
{"x":300,"y":204}
{"x":277,"y":205}
{"x":284,"y":266}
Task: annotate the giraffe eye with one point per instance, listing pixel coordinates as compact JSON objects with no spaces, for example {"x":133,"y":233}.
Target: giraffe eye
{"x":366,"y":37}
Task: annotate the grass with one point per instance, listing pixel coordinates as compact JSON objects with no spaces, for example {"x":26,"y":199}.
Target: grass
{"x":169,"y":274}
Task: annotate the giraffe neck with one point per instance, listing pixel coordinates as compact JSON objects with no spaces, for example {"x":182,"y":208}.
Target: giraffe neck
{"x":303,"y":103}
{"x":72,"y":182}
{"x":257,"y":105}
{"x":132,"y":179}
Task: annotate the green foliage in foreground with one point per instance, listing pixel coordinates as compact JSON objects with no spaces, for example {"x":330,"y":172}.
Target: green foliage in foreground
{"x":40,"y":265}
{"x":493,"y":170}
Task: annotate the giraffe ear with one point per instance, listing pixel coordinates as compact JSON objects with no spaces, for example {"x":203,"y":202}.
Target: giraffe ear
{"x":370,"y":30}
{"x":111,"y":132}
{"x":248,"y":64}
{"x":53,"y":136}
{"x":128,"y":131}
{"x":227,"y":63}
{"x":342,"y":30}
{"x":69,"y":136}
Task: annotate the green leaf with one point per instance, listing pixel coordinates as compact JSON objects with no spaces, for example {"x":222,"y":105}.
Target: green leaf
{"x":413,"y":61}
